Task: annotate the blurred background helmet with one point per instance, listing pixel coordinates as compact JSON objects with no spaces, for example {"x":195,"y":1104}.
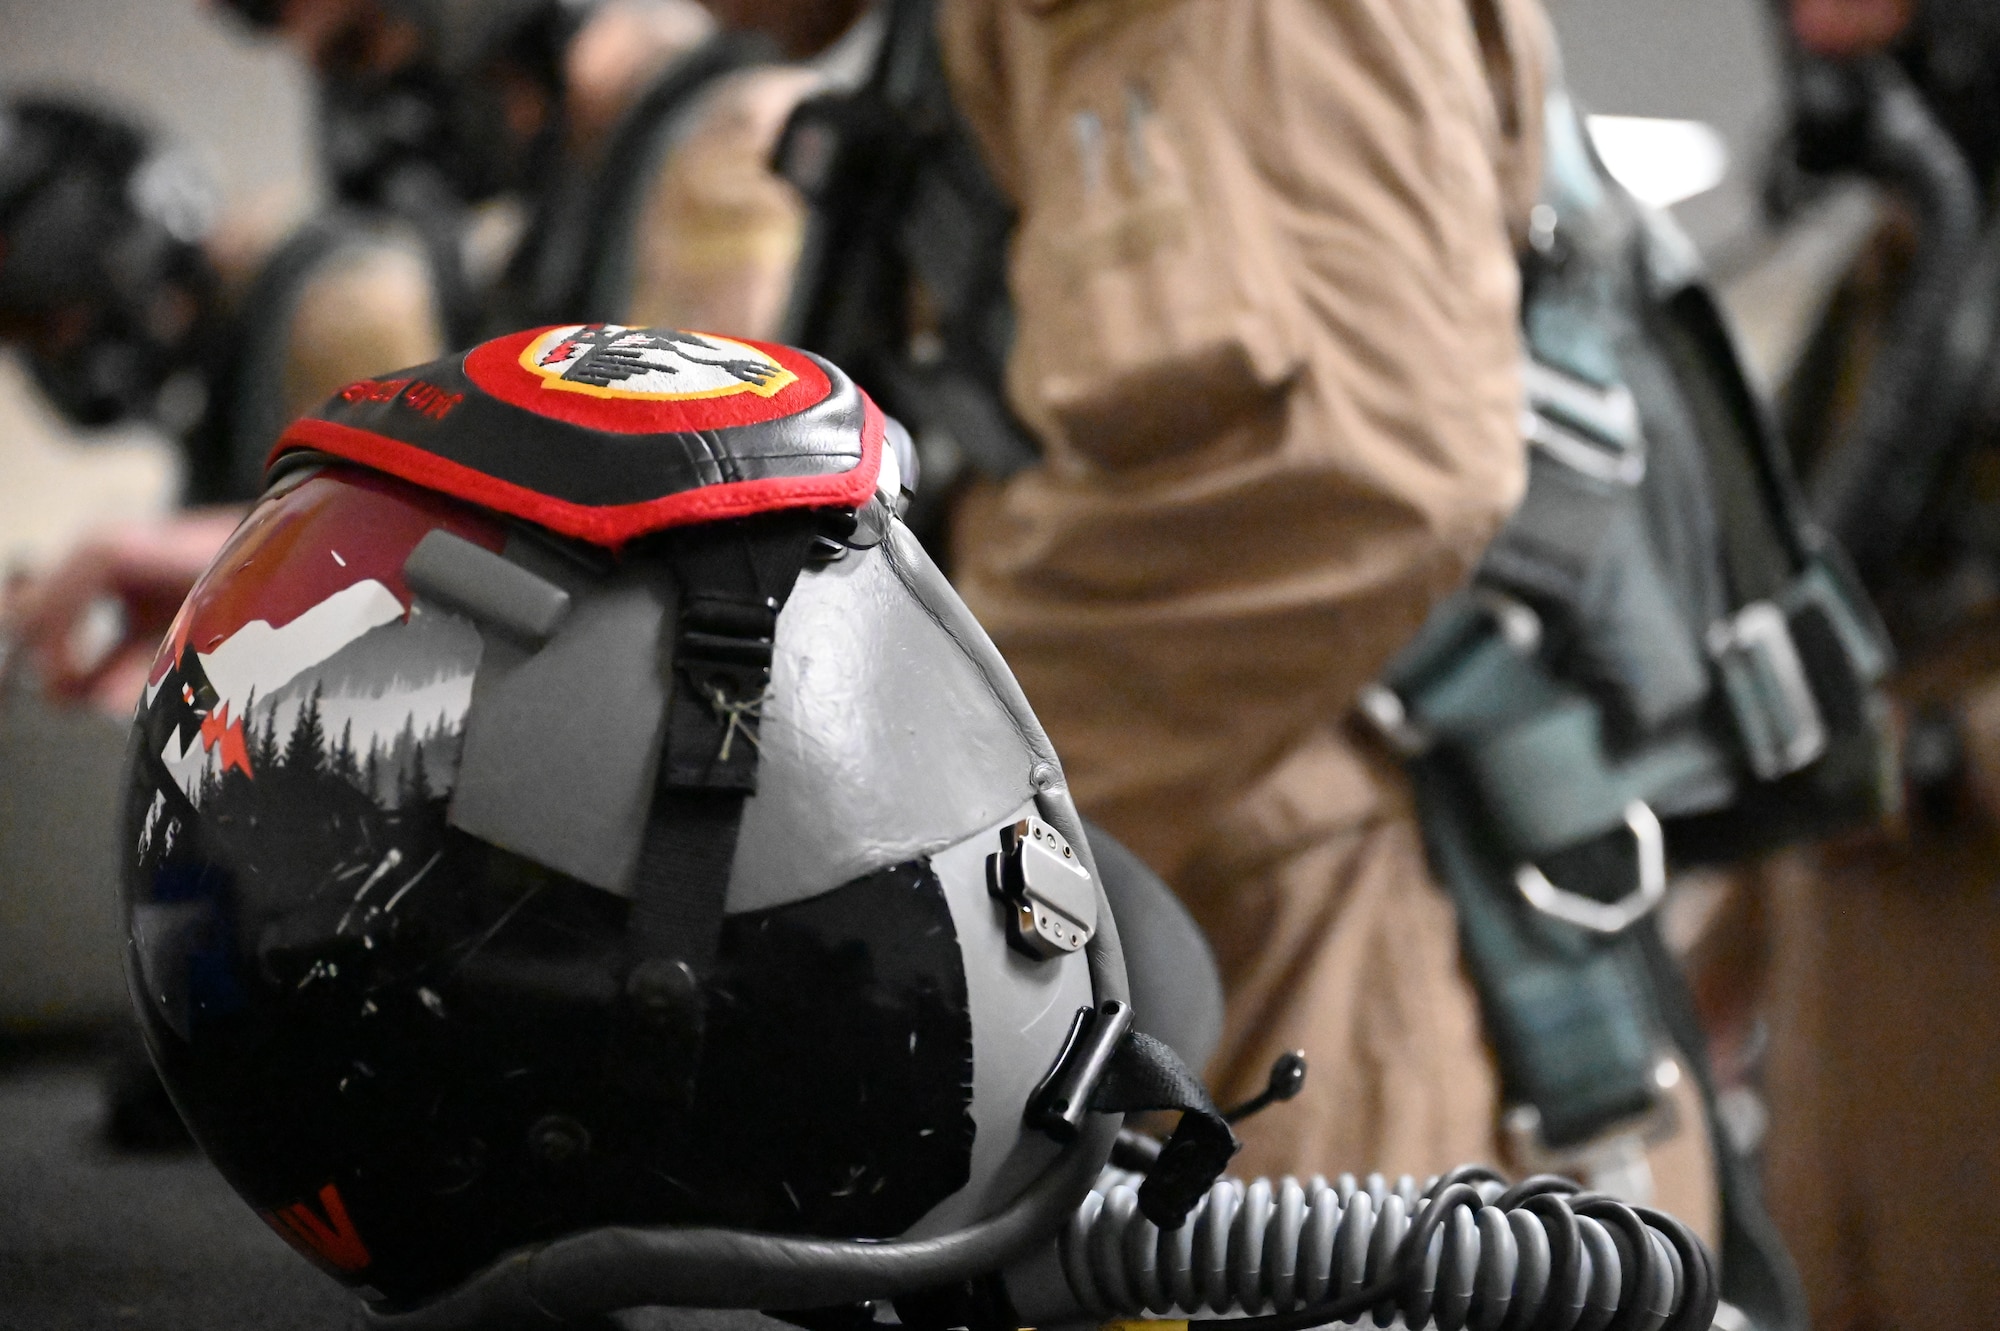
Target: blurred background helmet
{"x":448,"y":108}
{"x":573,"y":800}
{"x":457,"y":33}
{"x":104,"y":287}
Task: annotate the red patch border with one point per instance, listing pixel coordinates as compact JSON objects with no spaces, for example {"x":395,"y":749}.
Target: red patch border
{"x":609,"y":525}
{"x":495,"y":367}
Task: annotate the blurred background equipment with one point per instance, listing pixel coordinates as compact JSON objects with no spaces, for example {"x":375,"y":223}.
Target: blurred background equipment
{"x":103,"y":283}
{"x":1879,"y":951}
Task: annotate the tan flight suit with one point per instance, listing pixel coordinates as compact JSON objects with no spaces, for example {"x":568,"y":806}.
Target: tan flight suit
{"x":1882,"y":952}
{"x":1267,"y":308}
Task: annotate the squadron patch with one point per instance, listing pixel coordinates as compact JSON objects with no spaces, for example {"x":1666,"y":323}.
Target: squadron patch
{"x":646,"y":380}
{"x":606,"y":433}
{"x":657,"y":364}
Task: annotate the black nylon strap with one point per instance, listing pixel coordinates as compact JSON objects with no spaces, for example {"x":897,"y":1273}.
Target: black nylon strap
{"x":1758,"y":1275}
{"x":734,"y":579}
{"x":1146,"y":1073}
{"x":683,"y":875}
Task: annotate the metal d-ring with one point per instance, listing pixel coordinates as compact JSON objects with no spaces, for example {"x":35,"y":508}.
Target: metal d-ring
{"x":1607,"y":917}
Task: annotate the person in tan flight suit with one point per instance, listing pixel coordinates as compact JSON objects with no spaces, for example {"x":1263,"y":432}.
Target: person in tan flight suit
{"x":1266,"y":295}
{"x":1267,"y":300}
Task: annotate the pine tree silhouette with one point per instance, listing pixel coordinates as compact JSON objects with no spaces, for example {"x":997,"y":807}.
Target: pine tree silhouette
{"x":305,"y":751}
{"x":416,"y":781}
{"x":343,"y":764}
{"x":371,"y":779}
{"x":398,"y":756}
{"x":264,"y":743}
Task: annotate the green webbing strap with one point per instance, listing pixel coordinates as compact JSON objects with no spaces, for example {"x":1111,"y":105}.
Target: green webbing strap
{"x":1516,"y":767}
{"x":1571,"y":1032}
{"x":1516,"y":770}
{"x":1532,"y":750}
{"x":1548,"y":786}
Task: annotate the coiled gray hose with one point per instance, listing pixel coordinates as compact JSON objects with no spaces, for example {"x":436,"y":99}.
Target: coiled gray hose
{"x":1540,"y":1255}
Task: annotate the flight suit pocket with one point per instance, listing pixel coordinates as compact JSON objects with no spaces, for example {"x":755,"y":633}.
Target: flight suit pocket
{"x":1149,"y":270}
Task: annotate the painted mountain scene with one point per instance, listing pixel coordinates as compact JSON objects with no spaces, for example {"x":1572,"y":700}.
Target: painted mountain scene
{"x":383,"y":710}
{"x":299,"y":735}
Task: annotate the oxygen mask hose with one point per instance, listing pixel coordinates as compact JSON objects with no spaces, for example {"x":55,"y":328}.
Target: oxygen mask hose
{"x":1467,"y":1252}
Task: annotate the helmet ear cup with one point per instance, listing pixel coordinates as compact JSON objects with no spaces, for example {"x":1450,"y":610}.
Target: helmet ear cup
{"x":1176,"y":988}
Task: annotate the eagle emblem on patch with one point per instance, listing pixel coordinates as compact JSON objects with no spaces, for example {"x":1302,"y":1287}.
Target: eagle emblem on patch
{"x":652,"y":364}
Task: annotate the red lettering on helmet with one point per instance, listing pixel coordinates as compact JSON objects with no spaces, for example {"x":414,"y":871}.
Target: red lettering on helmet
{"x":373,"y":390}
{"x":428,"y":400}
{"x":331,"y":1239}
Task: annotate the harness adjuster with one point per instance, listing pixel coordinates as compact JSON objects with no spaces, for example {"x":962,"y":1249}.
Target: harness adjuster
{"x":1607,"y":917}
{"x":722,"y":657}
{"x":1769,"y":692}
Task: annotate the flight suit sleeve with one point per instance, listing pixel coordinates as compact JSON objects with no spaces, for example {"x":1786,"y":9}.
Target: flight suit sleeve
{"x":1266,"y":309}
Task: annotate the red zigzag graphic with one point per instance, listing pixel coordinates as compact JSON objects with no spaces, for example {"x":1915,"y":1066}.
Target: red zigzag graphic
{"x":331,"y":1240}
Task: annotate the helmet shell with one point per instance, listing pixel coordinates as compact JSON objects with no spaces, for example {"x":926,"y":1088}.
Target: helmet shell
{"x":394,"y":1023}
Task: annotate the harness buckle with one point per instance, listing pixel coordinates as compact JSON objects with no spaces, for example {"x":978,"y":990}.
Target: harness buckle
{"x":1602,"y":917}
{"x":1765,"y":680}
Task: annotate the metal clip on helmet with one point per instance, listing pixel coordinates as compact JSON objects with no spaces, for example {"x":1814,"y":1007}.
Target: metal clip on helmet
{"x":582,"y":854}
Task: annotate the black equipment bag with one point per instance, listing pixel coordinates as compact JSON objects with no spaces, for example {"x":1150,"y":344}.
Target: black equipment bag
{"x":903,"y":276}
